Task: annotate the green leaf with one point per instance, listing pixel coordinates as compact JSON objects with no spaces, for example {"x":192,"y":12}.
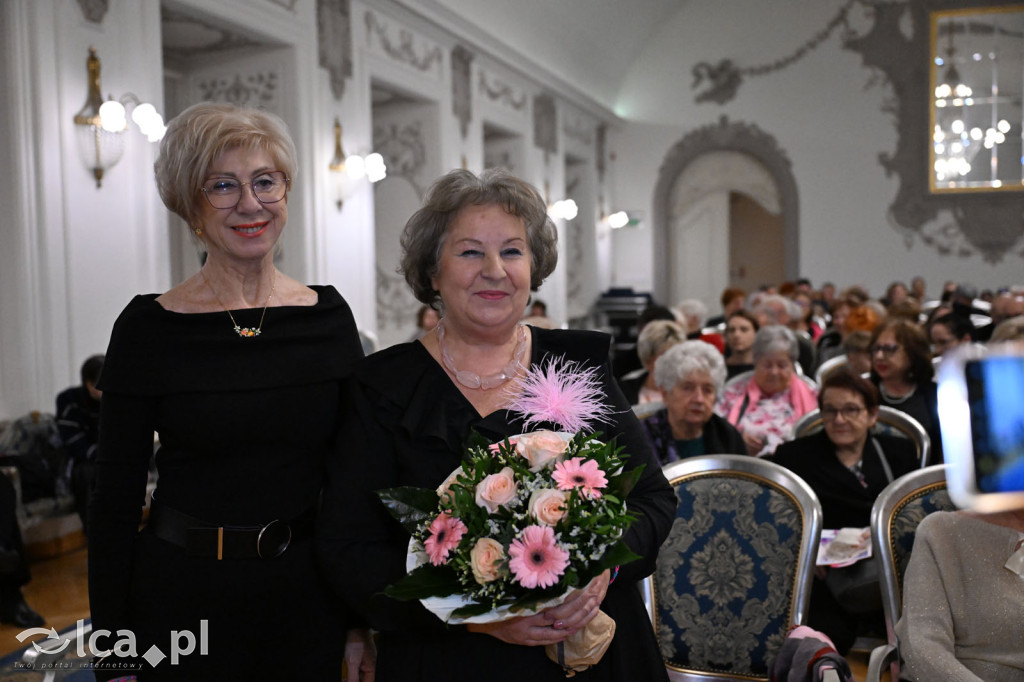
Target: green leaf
{"x":621,"y":485}
{"x":410,"y":506}
{"x":617,"y":555}
{"x":425,"y":581}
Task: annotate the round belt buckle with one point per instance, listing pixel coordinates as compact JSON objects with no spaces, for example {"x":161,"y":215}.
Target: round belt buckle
{"x":273,"y":539}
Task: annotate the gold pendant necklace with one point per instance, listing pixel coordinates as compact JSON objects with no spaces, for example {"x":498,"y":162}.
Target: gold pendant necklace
{"x":245,"y":332}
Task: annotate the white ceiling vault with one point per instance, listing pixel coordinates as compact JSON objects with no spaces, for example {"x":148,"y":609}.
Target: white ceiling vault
{"x":588,"y":44}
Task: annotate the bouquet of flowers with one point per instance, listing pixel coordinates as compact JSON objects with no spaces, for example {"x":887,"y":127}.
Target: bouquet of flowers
{"x":524,"y":521}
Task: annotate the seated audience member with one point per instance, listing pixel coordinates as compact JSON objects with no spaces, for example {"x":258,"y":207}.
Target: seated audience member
{"x":775,"y":309}
{"x":856,"y":319}
{"x":901,"y":368}
{"x":691,"y":314}
{"x":1011,"y":329}
{"x":829,"y":343}
{"x":807,"y":322}
{"x":690,"y":376}
{"x":740,"y":331}
{"x":537,"y":315}
{"x":917,"y":289}
{"x":14,"y":571}
{"x":1007,"y":304}
{"x":426,"y":320}
{"x":733,"y":299}
{"x":847,"y":468}
{"x":857,"y":347}
{"x":656,"y":338}
{"x":948,"y":332}
{"x":895,"y":293}
{"x":908,"y":308}
{"x":827,"y":294}
{"x":764,"y":407}
{"x":78,"y":423}
{"x":963,"y":599}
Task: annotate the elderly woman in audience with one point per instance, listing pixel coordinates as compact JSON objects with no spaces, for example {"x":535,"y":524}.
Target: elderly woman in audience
{"x":901,"y":368}
{"x":740,"y":330}
{"x":847,"y":467}
{"x":764,"y":407}
{"x":692,"y":314}
{"x":690,"y":376}
{"x":962,"y":599}
{"x":656,"y":337}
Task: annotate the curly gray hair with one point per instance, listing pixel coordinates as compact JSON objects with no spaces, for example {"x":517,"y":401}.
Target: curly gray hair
{"x":682,"y":360}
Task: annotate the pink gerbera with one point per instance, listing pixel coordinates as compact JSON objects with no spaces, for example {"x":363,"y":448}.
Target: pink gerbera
{"x":575,"y":473}
{"x":445,"y":533}
{"x":536,"y":559}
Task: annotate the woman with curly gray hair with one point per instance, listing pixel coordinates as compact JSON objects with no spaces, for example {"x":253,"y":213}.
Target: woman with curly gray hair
{"x":765,"y":405}
{"x":690,"y":376}
{"x":476,"y":249}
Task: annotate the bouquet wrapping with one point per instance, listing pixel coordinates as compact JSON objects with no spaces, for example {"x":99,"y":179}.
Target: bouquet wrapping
{"x":522,"y":522}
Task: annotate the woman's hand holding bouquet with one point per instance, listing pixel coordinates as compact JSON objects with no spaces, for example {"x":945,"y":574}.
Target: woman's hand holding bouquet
{"x":520,"y":540}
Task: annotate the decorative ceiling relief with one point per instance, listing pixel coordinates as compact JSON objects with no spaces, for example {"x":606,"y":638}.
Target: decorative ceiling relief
{"x":186,"y":36}
{"x":719,"y":82}
{"x":576,"y":126}
{"x":545,"y":123}
{"x":94,"y":10}
{"x":404,"y":151}
{"x":462,"y":89}
{"x":401,"y":45}
{"x":333,"y":19}
{"x":504,"y":94}
{"x":257,"y":89}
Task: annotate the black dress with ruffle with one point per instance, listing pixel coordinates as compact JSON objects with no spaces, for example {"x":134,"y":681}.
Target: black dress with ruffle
{"x":244,"y":425}
{"x":406,"y":427}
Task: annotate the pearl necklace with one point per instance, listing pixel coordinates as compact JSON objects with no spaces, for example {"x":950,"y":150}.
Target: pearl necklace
{"x":245,"y":332}
{"x":895,"y":399}
{"x":474,"y":380}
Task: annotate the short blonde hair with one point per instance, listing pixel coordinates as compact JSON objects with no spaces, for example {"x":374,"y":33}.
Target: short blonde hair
{"x":201,"y":133}
{"x":656,"y":336}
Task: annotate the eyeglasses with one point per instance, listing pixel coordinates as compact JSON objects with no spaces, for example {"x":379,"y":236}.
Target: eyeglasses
{"x":848,"y":412}
{"x":268,"y":188}
{"x":886,"y":350}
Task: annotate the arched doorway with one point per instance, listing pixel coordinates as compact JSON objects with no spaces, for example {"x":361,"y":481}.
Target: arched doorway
{"x":725,"y":213}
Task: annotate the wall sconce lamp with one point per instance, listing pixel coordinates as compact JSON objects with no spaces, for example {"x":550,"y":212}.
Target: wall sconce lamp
{"x":565,"y":209}
{"x":351,"y":169}
{"x":100,"y":124}
{"x":621,"y":219}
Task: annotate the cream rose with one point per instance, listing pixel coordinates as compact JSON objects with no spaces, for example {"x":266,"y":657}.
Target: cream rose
{"x":485,"y":559}
{"x":541,"y":448}
{"x":547,"y":505}
{"x":442,"y":490}
{"x":496,"y":490}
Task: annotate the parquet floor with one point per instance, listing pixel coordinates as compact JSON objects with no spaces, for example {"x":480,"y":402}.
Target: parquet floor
{"x":59,"y":592}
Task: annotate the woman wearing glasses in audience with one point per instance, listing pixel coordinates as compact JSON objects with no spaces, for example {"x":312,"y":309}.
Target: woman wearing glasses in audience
{"x":237,"y":370}
{"x":847,"y":467}
{"x":901,"y":368}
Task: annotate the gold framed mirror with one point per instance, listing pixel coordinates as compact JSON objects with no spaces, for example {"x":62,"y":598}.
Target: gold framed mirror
{"x":976,"y":117}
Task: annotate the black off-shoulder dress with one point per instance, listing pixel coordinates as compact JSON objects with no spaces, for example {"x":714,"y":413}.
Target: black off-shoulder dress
{"x":406,"y":426}
{"x":244,"y":425}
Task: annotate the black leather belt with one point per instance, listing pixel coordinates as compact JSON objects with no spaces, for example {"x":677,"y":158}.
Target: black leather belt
{"x":204,"y":539}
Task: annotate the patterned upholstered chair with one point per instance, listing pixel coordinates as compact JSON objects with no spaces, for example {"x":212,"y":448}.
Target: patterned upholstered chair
{"x":894,"y":519}
{"x":891,"y":422}
{"x":735,"y":572}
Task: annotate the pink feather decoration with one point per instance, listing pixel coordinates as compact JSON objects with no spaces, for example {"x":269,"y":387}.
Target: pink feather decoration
{"x":562,"y":392}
